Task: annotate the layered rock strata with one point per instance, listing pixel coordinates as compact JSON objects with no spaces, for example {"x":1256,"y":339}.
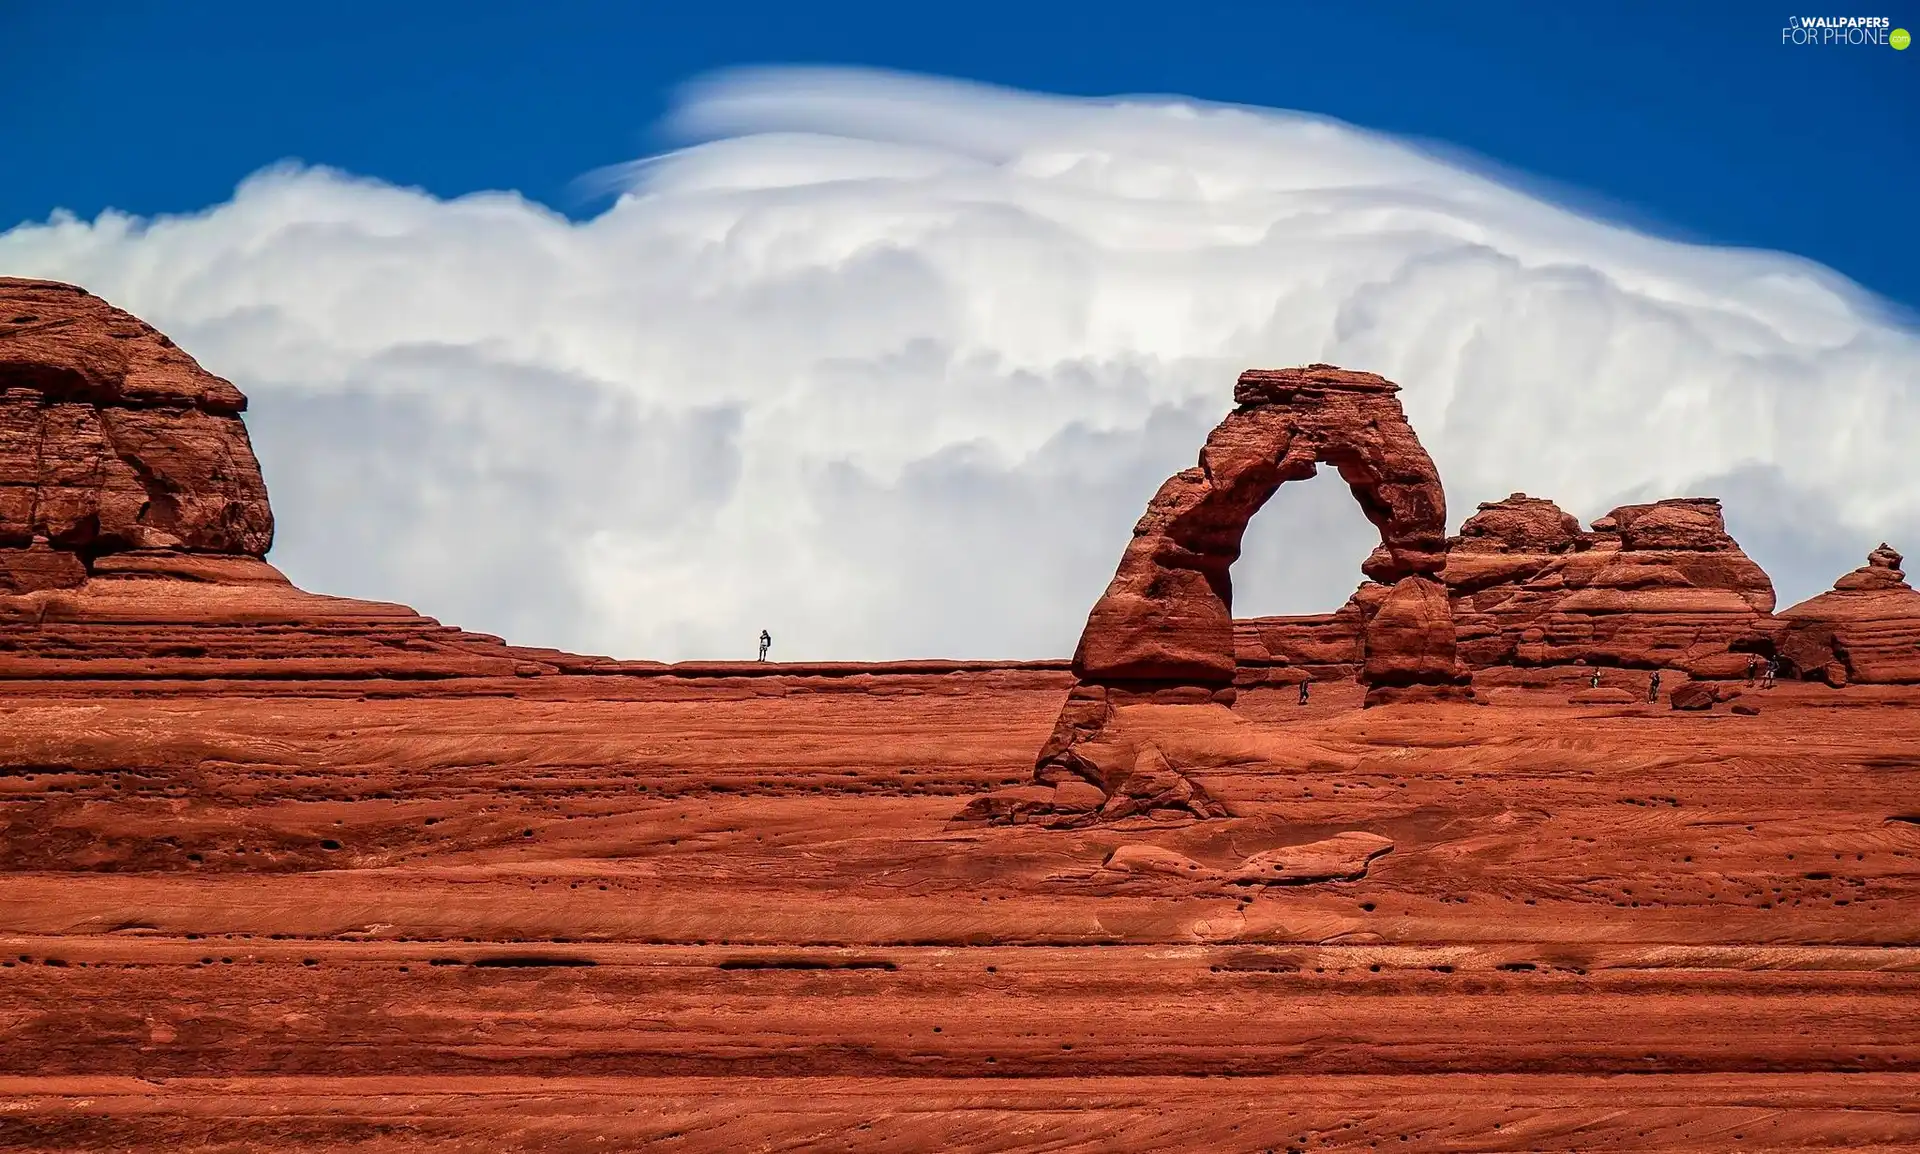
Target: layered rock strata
{"x":1163,"y":632}
{"x":283,"y":871}
{"x":113,"y":440}
{"x":1865,"y":629}
{"x":1652,"y":586}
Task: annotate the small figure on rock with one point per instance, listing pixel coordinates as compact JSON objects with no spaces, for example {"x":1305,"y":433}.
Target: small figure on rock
{"x":766,"y":643}
{"x":1753,"y":667}
{"x":1653,"y":686}
{"x":1304,"y":682}
{"x":1772,"y":671}
{"x":1594,"y":681}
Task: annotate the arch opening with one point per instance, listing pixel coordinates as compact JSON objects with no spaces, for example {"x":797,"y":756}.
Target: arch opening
{"x":1301,"y":553}
{"x":1163,"y":631}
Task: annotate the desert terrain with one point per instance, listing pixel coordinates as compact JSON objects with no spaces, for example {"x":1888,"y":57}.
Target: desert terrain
{"x":286,"y":871}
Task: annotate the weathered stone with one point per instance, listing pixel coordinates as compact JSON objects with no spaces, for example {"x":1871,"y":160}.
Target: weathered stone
{"x":113,"y":439}
{"x":1868,"y":625}
{"x":1164,"y":628}
{"x":1654,"y":586}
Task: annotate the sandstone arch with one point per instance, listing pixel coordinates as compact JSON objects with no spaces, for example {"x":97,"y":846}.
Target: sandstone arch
{"x":1163,"y":631}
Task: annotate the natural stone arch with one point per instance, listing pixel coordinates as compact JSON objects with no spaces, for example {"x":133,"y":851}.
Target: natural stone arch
{"x":1166,"y":619}
{"x":1162,"y":633}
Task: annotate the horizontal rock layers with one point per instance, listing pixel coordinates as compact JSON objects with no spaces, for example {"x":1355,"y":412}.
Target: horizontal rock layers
{"x":112,"y":439}
{"x":1653,"y":586}
{"x":1660,"y":585}
{"x":1866,"y":629}
{"x":1163,"y":632}
{"x":281,"y":871}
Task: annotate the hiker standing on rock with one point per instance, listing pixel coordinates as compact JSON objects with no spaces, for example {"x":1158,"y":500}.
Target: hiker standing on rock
{"x":766,"y":643}
{"x":1753,"y":667}
{"x":1594,"y":681}
{"x":1773,"y":671}
{"x":1653,"y":687}
{"x":1304,"y":682}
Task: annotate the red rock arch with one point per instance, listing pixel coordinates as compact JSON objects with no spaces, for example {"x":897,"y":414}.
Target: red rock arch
{"x":1166,"y":619}
{"x":1163,"y":630}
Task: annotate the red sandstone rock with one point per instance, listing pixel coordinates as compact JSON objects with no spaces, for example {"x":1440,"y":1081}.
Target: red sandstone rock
{"x":1286,"y":650}
{"x":1652,"y":586}
{"x":1164,"y":627}
{"x":112,"y":439}
{"x":284,"y":871}
{"x":1865,"y":630}
{"x":1604,"y":695}
{"x":1167,"y":616}
{"x":1409,"y":640}
{"x":1700,"y":695}
{"x":1521,"y":525}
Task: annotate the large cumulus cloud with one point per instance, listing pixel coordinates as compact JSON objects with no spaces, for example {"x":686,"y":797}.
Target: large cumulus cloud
{"x":889,"y":366}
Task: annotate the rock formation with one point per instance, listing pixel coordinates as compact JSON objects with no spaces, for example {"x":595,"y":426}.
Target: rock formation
{"x":1653,"y":586}
{"x":282,"y":871}
{"x":1163,"y":632}
{"x":113,"y":441}
{"x":1865,"y":629}
{"x":1165,"y":622}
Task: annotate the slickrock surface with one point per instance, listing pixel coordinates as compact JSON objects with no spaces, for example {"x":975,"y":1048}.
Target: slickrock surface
{"x":718,"y":912}
{"x":290,"y":872}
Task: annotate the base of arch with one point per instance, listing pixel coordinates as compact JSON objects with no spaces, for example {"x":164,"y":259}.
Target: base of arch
{"x":1417,"y":694}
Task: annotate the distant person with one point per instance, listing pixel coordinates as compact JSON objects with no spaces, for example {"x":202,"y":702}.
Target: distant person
{"x":1594,"y":681}
{"x":1304,"y":682}
{"x":1653,"y":687}
{"x":1753,"y":667}
{"x":766,"y":643}
{"x":1772,"y":671}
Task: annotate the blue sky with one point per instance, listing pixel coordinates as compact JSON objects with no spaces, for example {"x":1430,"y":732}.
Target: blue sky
{"x":1688,"y":119}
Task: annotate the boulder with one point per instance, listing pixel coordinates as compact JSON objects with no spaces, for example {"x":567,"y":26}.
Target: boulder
{"x":1701,"y":695}
{"x":1342,"y":857}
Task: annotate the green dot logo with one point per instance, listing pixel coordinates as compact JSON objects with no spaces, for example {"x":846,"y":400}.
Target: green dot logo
{"x":1899,"y":39}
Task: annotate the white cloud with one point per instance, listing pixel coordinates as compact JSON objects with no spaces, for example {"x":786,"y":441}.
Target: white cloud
{"x":889,"y":366}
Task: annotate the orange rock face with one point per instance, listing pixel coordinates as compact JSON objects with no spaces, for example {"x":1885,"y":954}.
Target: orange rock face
{"x":284,"y":871}
{"x":1867,"y":629}
{"x":1163,"y":632}
{"x":113,"y":439}
{"x":1657,"y":586}
{"x":1167,"y":617}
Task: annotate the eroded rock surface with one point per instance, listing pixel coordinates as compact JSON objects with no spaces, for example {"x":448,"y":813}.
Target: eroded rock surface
{"x":1653,"y":586}
{"x":282,"y":871}
{"x":1164,"y":632}
{"x":1865,"y":629}
{"x":113,"y":439}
